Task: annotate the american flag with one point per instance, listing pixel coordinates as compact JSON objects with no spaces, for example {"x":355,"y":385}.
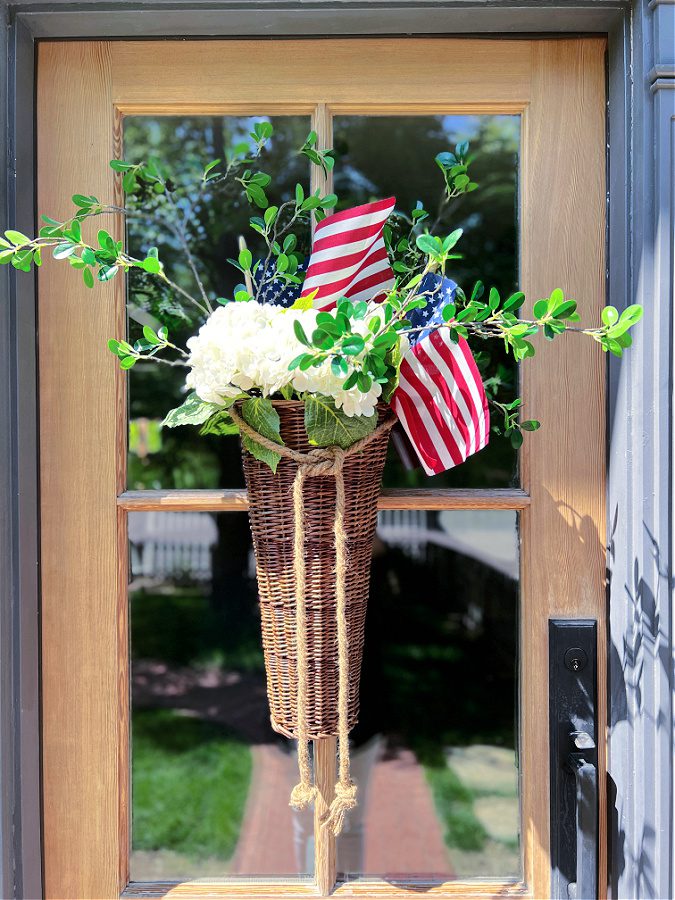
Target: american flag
{"x":349,"y":258}
{"x":440,"y":400}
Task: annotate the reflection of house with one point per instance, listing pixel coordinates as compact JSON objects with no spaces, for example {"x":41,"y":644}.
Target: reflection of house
{"x":489,"y":536}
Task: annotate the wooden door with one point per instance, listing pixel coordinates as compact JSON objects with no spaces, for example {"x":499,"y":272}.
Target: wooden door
{"x":85,"y":90}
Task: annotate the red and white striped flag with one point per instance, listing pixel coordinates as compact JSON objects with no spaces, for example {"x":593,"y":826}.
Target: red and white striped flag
{"x":349,"y":258}
{"x":440,"y":400}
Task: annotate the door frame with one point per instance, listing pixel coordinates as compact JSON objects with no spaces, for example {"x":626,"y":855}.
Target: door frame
{"x":635,"y":183}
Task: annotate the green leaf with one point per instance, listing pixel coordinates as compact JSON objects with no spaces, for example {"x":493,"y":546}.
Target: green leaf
{"x":257,"y":195}
{"x":300,"y":333}
{"x":565,"y":310}
{"x":219,"y":424}
{"x":327,"y":426}
{"x":192,"y":411}
{"x":270,"y":214}
{"x":82,"y":201}
{"x":210,"y":166}
{"x":149,"y":335}
{"x":106,"y":273}
{"x":17,"y":238}
{"x":530,"y":425}
{"x":388,"y":339}
{"x":75,"y":232}
{"x":352,"y":345}
{"x":364,"y":382}
{"x":245,"y":258}
{"x":477,"y":291}
{"x":557,"y":297}
{"x":152,"y":265}
{"x":514,"y":301}
{"x":631,"y":315}
{"x":128,"y":362}
{"x":429,"y":244}
{"x":540,"y":309}
{"x":452,"y":239}
{"x":260,"y":414}
{"x":62,"y":251}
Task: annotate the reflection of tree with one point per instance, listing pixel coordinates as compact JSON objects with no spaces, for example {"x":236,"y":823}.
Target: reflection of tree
{"x":380,"y":156}
{"x":376,"y":156}
{"x":185,"y":145}
{"x":440,"y":654}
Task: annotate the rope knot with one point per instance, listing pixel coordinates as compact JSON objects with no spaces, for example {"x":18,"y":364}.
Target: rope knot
{"x":324,"y":461}
{"x":302,"y":795}
{"x":345,"y":799}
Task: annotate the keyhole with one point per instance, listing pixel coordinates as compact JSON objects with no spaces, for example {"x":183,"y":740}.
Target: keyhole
{"x":575,"y":659}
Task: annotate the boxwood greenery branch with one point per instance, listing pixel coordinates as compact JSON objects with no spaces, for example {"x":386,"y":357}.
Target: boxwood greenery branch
{"x":414,"y":247}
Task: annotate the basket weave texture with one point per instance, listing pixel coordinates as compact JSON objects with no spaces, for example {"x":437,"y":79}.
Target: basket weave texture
{"x":272,"y":524}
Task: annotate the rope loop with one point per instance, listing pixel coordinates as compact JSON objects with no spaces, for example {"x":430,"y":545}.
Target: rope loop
{"x":318,"y":462}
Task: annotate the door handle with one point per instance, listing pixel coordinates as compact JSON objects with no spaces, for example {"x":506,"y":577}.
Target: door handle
{"x":574,"y":759}
{"x":586,"y":784}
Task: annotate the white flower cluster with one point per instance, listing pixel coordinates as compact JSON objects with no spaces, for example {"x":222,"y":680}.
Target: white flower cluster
{"x":245,"y":346}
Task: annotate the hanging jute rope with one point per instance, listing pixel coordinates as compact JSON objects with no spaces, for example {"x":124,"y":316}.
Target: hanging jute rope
{"x":320,"y":462}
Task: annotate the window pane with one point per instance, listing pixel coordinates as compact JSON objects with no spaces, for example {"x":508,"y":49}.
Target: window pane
{"x":379,"y":156}
{"x":210,"y":779}
{"x":435,"y":747}
{"x":181,"y":458}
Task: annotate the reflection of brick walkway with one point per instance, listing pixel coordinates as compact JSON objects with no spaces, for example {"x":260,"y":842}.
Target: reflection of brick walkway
{"x":265,"y":845}
{"x":402,"y":833}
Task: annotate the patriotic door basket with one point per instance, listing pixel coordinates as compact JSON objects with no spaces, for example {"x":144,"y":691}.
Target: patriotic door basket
{"x":313,"y":365}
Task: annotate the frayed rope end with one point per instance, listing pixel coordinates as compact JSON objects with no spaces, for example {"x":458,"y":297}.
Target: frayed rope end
{"x":302,"y":796}
{"x":345,"y":799}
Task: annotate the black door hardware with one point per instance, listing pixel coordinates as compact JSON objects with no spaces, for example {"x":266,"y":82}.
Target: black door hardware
{"x":574,"y":759}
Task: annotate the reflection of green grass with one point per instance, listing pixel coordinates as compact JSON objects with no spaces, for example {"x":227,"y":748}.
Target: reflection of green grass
{"x":182,"y":628}
{"x":454,"y":804}
{"x":190,"y":783}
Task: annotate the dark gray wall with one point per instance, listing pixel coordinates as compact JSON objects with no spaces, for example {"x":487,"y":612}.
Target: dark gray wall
{"x":641,"y":140}
{"x":640,"y":500}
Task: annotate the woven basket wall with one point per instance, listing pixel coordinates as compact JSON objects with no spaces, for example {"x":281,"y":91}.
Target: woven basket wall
{"x":271,"y":517}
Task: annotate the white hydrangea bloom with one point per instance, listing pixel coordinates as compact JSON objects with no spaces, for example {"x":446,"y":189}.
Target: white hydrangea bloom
{"x":244,"y":346}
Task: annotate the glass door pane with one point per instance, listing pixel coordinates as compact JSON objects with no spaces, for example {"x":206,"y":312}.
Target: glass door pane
{"x":435,"y":750}
{"x":379,"y":156}
{"x":216,"y":219}
{"x":210,"y":779}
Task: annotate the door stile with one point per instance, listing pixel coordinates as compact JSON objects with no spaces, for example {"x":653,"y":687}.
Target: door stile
{"x":83,"y":425}
{"x":563,"y":465}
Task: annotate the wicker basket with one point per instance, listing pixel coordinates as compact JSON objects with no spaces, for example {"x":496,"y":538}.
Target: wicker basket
{"x":271,"y":518}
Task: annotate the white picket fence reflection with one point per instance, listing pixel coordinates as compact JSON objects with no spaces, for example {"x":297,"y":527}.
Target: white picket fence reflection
{"x":168,"y":545}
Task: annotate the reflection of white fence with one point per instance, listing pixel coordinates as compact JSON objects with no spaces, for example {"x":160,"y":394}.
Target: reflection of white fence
{"x":404,"y":528}
{"x":172,"y":545}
